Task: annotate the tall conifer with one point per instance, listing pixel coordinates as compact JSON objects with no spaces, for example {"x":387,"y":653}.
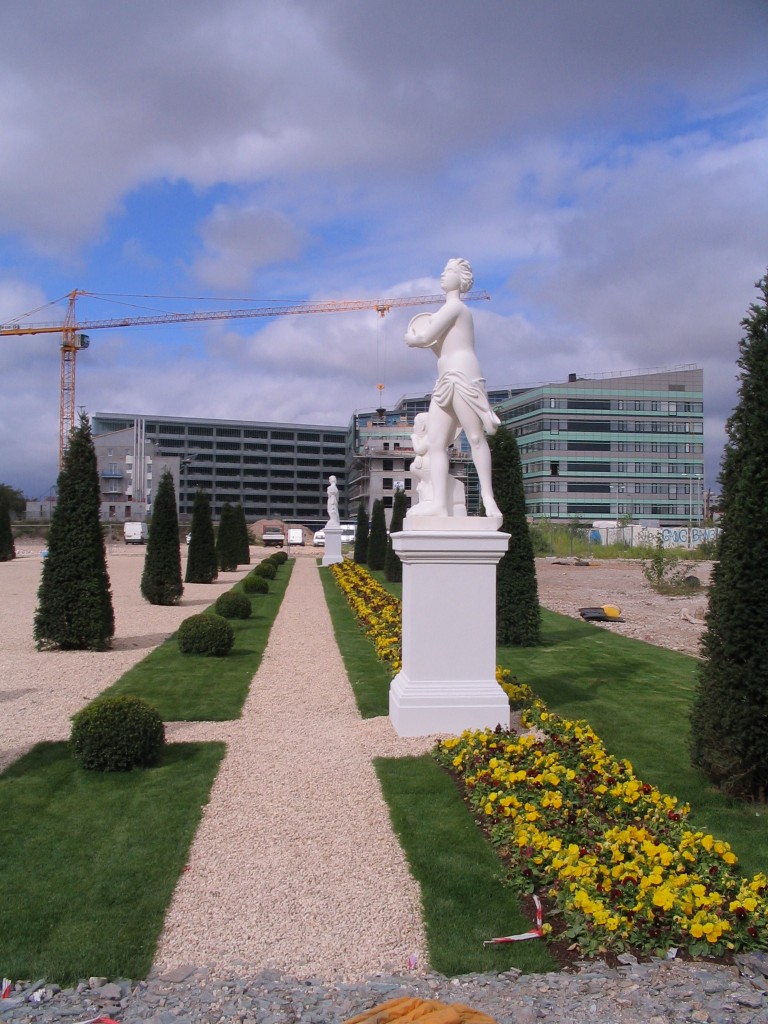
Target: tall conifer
{"x":202,"y":565}
{"x":244,"y":541}
{"x":7,"y":547}
{"x":74,"y":610}
{"x":361,"y":535}
{"x":393,"y":567}
{"x":729,"y":719}
{"x":377,"y":539}
{"x":161,"y":580}
{"x":518,"y":616}
{"x":227,"y":540}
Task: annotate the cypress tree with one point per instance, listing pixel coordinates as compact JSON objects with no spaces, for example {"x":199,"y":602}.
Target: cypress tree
{"x":393,"y":567}
{"x":729,"y":718}
{"x":361,"y":535}
{"x":202,"y":565}
{"x":243,"y":540}
{"x":7,"y":547}
{"x":74,"y":609}
{"x":377,"y":539}
{"x":518,"y":616}
{"x":161,"y":580}
{"x":227,"y":540}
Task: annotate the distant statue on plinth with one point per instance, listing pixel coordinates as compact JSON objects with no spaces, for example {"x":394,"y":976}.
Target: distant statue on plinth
{"x":459,"y":400}
{"x":333,"y":502}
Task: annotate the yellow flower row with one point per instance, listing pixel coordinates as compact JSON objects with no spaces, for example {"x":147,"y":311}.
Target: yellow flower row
{"x":375,"y":608}
{"x":614,"y":854}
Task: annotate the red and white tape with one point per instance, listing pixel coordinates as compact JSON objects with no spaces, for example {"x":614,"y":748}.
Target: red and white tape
{"x":534,"y":933}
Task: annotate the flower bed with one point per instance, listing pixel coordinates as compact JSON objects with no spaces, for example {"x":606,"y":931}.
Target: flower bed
{"x":614,"y":855}
{"x":376,"y":609}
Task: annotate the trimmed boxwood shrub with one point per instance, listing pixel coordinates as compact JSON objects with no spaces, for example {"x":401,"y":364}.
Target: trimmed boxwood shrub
{"x":279,"y":557}
{"x":116,"y":734}
{"x":267,"y":569}
{"x":233,"y":605}
{"x":207,"y":634}
{"x":255,"y":584}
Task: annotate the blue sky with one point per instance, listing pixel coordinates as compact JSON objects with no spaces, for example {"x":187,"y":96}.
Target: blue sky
{"x":602,"y":165}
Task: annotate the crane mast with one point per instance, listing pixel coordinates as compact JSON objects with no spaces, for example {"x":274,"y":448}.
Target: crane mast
{"x":73,"y":337}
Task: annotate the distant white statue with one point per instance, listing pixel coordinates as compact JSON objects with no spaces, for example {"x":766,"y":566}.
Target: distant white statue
{"x":459,"y":400}
{"x":333,"y":502}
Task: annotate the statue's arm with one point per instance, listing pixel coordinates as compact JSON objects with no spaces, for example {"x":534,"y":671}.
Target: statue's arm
{"x":434,"y":328}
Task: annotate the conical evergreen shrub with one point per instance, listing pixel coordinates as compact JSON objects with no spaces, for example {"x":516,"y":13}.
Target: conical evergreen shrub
{"x":161,"y":580}
{"x":202,"y":564}
{"x":361,"y":535}
{"x":74,"y":610}
{"x":7,"y":547}
{"x":377,"y":539}
{"x":228,"y":540}
{"x":393,"y":567}
{"x":518,"y":616}
{"x":729,"y":718}
{"x":244,"y":541}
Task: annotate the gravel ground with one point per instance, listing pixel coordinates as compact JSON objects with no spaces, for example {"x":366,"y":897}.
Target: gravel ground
{"x":672,"y":622}
{"x":295,"y":865}
{"x":40,"y":691}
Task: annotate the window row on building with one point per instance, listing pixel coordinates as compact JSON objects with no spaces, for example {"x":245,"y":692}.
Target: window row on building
{"x":272,"y":470}
{"x":623,"y":437}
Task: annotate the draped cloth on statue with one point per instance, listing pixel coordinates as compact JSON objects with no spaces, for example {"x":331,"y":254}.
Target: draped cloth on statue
{"x":472,"y":392}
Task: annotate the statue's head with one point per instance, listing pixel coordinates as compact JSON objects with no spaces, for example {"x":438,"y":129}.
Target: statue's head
{"x":332,"y":479}
{"x":463,"y":272}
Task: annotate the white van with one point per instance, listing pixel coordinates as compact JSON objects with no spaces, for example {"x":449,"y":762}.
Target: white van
{"x":295,"y":535}
{"x":135,"y":533}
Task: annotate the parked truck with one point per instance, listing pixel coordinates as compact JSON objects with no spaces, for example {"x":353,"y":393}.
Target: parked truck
{"x":273,"y":536}
{"x":135,"y":533}
{"x":295,"y":535}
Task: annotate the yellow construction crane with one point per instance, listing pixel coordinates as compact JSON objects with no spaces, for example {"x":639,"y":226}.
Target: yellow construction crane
{"x":74,"y":338}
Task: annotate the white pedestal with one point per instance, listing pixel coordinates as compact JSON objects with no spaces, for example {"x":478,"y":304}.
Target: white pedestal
{"x":332,"y":553}
{"x":448,"y":679}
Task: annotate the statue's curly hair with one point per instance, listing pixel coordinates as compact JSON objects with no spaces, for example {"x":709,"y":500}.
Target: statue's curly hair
{"x":466,"y":277}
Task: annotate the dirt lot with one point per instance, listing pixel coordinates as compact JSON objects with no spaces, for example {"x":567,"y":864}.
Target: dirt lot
{"x":565,"y":586}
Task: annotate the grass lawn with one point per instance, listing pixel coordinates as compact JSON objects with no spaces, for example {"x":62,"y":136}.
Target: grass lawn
{"x":368,"y":675}
{"x":637,"y":698}
{"x":188,"y":688}
{"x":90,"y":860}
{"x":460,"y":875}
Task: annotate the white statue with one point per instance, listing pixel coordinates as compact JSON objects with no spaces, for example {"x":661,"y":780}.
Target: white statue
{"x":333,"y":502}
{"x":459,"y":400}
{"x":420,"y":470}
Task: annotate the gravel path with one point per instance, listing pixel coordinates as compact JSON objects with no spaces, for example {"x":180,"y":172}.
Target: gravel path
{"x":295,"y":866}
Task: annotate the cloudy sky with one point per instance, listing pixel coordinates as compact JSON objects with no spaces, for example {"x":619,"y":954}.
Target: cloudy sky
{"x":603,"y":165}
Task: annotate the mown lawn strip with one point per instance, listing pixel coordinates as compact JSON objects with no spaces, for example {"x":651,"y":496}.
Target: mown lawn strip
{"x":90,"y":860}
{"x":368,"y":675}
{"x":464,"y":899}
{"x":187,"y":688}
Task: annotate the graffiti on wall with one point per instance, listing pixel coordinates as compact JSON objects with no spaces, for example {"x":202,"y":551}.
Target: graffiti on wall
{"x":687,"y":536}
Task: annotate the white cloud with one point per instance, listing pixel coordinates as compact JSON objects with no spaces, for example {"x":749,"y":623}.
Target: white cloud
{"x":238,"y":240}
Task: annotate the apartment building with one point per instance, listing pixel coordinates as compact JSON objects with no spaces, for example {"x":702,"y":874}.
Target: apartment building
{"x":613,"y":445}
{"x":274,"y":470}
